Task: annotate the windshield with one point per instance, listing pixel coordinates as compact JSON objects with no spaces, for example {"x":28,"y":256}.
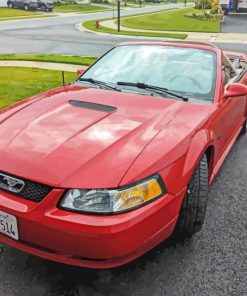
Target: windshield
{"x":188,"y":71}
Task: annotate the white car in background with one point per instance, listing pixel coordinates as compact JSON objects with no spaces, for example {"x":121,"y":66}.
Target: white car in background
{"x":242,"y":5}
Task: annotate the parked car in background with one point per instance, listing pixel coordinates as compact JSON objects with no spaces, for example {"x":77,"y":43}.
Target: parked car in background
{"x":153,"y":1}
{"x":242,"y":5}
{"x":24,"y":4}
{"x":45,"y":5}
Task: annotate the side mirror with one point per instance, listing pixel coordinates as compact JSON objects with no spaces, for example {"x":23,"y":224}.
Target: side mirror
{"x":235,"y":90}
{"x":80,"y":71}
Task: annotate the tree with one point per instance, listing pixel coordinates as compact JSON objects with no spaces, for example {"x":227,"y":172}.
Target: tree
{"x":204,"y":5}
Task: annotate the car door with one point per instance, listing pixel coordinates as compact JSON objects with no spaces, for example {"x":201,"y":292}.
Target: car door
{"x":244,"y":81}
{"x":15,"y":3}
{"x":233,"y":111}
{"x":18,"y":3}
{"x":39,"y":2}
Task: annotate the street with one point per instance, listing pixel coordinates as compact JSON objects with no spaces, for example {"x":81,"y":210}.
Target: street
{"x":58,"y":35}
{"x":212,"y":263}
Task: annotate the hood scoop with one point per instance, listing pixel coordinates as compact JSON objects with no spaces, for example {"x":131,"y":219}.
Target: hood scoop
{"x":93,"y":106}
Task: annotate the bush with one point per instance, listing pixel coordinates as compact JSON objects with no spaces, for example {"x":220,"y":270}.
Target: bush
{"x":204,"y":16}
{"x":214,"y":10}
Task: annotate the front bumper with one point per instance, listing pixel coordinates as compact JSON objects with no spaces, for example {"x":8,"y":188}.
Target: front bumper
{"x":89,"y":240}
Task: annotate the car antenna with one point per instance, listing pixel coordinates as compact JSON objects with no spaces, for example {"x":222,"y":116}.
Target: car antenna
{"x":63,"y":81}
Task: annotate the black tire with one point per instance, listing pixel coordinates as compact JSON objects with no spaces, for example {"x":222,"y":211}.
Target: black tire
{"x":193,"y":209}
{"x":26,"y":7}
{"x":243,"y":131}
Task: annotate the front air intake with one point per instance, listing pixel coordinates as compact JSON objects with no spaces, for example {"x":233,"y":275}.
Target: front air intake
{"x":23,"y":188}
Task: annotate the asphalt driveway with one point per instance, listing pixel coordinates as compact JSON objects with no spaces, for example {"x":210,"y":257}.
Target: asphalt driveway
{"x":235,"y":23}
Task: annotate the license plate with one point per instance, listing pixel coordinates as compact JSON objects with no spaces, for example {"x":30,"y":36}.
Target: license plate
{"x":8,"y":225}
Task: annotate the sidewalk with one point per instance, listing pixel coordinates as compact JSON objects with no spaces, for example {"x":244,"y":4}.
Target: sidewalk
{"x":42,"y":65}
{"x":208,"y":37}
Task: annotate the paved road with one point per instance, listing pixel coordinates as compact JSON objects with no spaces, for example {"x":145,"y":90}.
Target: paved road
{"x":58,"y":34}
{"x":233,"y":47}
{"x":213,"y":263}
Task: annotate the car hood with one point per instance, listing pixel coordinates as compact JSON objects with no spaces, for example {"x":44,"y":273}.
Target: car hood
{"x":55,"y":140}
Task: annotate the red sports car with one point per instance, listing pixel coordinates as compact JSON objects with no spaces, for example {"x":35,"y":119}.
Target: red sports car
{"x":98,"y":172}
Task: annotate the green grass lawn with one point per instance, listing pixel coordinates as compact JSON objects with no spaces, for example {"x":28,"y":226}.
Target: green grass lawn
{"x":19,"y":83}
{"x":77,"y":60}
{"x":12,"y":12}
{"x":172,"y":20}
{"x":25,"y":17}
{"x":79,"y":8}
{"x":90,"y":25}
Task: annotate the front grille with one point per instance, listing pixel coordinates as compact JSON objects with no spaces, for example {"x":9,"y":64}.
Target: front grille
{"x":33,"y":191}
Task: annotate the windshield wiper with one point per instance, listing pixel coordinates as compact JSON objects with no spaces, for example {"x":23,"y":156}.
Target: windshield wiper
{"x":155,"y":88}
{"x":100,"y":83}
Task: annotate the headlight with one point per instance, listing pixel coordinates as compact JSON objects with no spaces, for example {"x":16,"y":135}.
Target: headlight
{"x":103,"y":201}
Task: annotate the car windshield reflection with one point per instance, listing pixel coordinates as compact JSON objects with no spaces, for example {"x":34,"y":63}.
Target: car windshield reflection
{"x":187,"y":71}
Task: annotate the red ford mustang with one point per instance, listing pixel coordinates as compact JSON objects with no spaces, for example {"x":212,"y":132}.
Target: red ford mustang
{"x":98,"y":172}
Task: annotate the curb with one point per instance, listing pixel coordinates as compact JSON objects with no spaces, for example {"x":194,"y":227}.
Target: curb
{"x":83,"y":29}
{"x":42,"y":65}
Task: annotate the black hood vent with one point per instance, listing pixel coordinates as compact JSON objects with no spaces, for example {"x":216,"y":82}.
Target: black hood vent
{"x":93,"y":106}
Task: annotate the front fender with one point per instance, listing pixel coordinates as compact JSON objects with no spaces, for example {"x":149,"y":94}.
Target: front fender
{"x":178,"y":174}
{"x":199,"y":144}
